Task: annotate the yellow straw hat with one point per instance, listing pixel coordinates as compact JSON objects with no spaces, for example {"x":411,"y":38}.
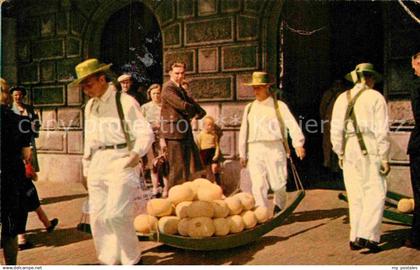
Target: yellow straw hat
{"x":259,"y":78}
{"x":355,"y":75}
{"x":87,"y":68}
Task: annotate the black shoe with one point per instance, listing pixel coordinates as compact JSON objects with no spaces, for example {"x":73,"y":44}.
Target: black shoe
{"x":26,"y":245}
{"x":354,"y":246}
{"x":54,"y":223}
{"x":411,"y":244}
{"x":371,"y":245}
{"x":276,"y":209}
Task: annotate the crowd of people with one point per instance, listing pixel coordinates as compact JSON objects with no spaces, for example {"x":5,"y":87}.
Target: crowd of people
{"x":157,"y":135}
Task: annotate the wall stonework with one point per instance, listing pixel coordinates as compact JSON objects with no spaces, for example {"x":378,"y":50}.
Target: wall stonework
{"x":215,"y":38}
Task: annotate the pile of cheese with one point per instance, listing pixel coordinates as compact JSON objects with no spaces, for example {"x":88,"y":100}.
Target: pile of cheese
{"x":199,"y":209}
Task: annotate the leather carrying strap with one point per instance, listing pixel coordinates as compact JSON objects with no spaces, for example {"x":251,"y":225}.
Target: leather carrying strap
{"x":122,"y":120}
{"x":351,"y":115}
{"x":281,"y":125}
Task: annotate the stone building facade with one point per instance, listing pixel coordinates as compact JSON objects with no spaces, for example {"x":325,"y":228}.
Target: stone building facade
{"x":222,"y":42}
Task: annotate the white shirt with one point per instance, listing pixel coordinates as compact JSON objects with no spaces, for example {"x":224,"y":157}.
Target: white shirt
{"x":372,"y":118}
{"x":151,"y":111}
{"x":264,"y":125}
{"x":102,"y":124}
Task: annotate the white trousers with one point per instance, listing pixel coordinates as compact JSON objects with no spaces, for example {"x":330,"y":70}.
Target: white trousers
{"x":111,"y":192}
{"x":267,"y":165}
{"x":366,"y":191}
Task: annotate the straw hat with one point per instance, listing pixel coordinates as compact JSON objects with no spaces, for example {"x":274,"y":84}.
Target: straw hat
{"x":87,"y":68}
{"x":355,"y":75}
{"x":259,"y":78}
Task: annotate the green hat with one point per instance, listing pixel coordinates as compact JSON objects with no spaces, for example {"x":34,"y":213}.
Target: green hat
{"x":259,"y":78}
{"x":87,"y":68}
{"x":355,"y":75}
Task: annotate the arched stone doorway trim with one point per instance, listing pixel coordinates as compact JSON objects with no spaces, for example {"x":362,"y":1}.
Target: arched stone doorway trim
{"x":270,"y":40}
{"x":93,"y":33}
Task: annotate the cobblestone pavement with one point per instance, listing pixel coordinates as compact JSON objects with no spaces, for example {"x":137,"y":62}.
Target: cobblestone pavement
{"x":317,"y":233}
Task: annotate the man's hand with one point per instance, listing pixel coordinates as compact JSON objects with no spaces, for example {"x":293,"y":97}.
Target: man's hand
{"x":385,"y":168}
{"x":133,"y":160}
{"x":27,"y":154}
{"x":300,"y":152}
{"x":243,"y":162}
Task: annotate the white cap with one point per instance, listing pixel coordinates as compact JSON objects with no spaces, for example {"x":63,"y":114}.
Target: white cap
{"x":124,"y":77}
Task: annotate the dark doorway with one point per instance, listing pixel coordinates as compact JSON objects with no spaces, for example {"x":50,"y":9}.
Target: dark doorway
{"x":132,"y":41}
{"x":324,"y":40}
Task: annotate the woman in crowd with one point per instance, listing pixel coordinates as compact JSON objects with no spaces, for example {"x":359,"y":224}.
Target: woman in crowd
{"x":30,"y":200}
{"x":155,"y":158}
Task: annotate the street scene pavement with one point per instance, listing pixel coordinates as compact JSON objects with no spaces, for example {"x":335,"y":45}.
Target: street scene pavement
{"x":315,"y":234}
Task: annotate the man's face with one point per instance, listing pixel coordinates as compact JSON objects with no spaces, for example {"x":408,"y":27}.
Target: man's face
{"x":17,"y":97}
{"x":93,"y":86}
{"x":126,"y":84}
{"x":177,"y":74}
{"x":415,"y":64}
{"x":261,"y":91}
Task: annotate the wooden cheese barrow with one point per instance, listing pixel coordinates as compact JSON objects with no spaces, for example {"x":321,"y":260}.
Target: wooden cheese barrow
{"x":390,"y":211}
{"x":223,"y":242}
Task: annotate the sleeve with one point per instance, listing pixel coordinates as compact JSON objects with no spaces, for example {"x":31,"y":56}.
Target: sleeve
{"x":337,"y":126}
{"x":36,"y":124}
{"x":414,"y":87}
{"x":143,"y":109}
{"x":199,"y":111}
{"x":381,"y":128}
{"x":140,"y":130}
{"x":87,"y":152}
{"x":243,"y":134}
{"x":298,"y":139}
{"x":169,"y":95}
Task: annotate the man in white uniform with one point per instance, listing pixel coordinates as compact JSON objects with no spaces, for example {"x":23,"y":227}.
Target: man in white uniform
{"x":364,"y":164}
{"x":261,"y":147}
{"x":108,"y":163}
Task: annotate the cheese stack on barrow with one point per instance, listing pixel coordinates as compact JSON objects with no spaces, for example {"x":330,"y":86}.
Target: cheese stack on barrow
{"x":199,"y":209}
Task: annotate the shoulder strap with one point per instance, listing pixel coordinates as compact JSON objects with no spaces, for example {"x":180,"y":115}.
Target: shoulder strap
{"x":351,"y":115}
{"x":281,"y":125}
{"x":122,"y":119}
{"x":247,"y":129}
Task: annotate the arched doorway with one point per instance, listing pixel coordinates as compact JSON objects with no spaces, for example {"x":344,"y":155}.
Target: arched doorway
{"x":322,"y":42}
{"x":131,"y":40}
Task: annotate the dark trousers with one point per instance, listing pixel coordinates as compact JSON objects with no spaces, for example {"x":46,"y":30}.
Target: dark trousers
{"x":415,"y":182}
{"x":179,"y":156}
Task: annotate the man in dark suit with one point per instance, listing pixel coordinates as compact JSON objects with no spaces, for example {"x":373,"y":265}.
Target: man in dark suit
{"x":414,"y":151}
{"x":175,"y":131}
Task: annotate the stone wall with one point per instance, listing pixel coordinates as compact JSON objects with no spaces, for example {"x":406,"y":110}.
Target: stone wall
{"x":221,"y":42}
{"x":48,"y":47}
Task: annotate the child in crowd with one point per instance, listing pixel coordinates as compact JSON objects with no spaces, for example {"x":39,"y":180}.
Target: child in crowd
{"x":208,"y":142}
